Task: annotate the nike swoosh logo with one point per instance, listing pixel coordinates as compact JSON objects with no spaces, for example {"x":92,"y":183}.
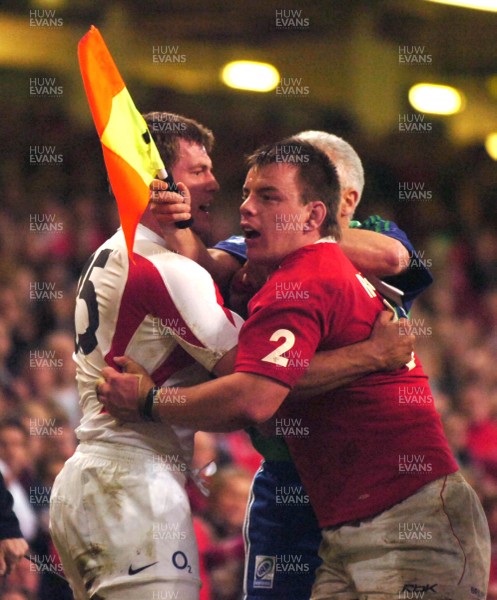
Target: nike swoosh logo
{"x":132,"y":571}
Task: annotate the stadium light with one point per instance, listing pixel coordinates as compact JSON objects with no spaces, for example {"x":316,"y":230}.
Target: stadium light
{"x":49,"y":3}
{"x":491,"y":145}
{"x":250,"y":75}
{"x":436,"y":99}
{"x":490,"y":5}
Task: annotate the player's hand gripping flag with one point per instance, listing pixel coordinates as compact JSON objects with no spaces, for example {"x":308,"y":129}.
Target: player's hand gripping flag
{"x":130,"y":154}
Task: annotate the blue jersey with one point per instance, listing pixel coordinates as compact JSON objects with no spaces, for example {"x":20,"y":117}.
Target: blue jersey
{"x":234,"y":245}
{"x":416,"y":278}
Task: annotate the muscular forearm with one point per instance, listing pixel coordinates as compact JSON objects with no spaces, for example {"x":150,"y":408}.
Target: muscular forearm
{"x":201,"y":408}
{"x":225,"y":404}
{"x":243,"y":399}
{"x":335,"y":368}
{"x":374,"y":253}
{"x":389,"y":346}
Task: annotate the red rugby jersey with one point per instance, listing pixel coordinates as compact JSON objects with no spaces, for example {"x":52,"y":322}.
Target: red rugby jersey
{"x":363,"y":447}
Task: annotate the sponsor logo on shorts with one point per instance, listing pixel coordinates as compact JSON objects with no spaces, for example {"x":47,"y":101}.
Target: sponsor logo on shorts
{"x":180,"y":561}
{"x":132,"y":571}
{"x":415,"y":590}
{"x":264,"y":571}
{"x":478,"y":593}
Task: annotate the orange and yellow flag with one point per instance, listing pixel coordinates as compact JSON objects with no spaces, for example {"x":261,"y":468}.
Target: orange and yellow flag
{"x":130,"y":154}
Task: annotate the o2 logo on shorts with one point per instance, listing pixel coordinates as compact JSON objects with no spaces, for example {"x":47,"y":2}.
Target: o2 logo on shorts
{"x":264,"y":571}
{"x":180,"y":561}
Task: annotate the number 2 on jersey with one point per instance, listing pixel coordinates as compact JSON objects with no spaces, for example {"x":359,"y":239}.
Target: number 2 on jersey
{"x":275,"y":356}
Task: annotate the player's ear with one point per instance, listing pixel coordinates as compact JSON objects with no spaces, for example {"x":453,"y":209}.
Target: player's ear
{"x":316,"y":217}
{"x":349,"y":199}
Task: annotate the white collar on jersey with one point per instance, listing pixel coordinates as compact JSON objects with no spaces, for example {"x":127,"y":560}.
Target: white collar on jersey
{"x":326,"y":240}
{"x":144,"y":233}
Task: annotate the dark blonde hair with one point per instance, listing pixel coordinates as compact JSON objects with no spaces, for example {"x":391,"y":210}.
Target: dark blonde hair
{"x":168,"y":128}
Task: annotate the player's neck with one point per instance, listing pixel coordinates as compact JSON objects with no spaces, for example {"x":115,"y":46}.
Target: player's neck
{"x":305,"y":241}
{"x":148,"y":220}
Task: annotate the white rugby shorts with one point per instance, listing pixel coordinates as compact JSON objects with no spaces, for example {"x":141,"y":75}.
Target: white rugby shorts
{"x":120,"y":520}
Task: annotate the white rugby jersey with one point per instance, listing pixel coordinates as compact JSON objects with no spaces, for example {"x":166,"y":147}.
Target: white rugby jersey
{"x":165,"y":312}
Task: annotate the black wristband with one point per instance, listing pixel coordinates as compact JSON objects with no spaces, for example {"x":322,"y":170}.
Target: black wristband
{"x":146,"y":409}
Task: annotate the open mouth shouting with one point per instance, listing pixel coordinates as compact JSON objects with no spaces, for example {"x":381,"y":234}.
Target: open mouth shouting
{"x":249,"y":232}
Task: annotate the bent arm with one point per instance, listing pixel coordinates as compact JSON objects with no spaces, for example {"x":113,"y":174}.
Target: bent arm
{"x":244,"y":399}
{"x":334,"y":368}
{"x":241,"y":399}
{"x":225,"y":404}
{"x":389,"y":347}
{"x":228,"y":403}
{"x":374,"y":253}
{"x":218,"y":263}
{"x":169,"y":208}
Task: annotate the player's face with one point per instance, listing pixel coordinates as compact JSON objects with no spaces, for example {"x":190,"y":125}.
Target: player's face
{"x":273,"y":216}
{"x":194,"y":169}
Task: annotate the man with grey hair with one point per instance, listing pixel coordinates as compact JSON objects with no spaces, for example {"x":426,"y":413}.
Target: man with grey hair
{"x":378,"y":256}
{"x":344,"y":157}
